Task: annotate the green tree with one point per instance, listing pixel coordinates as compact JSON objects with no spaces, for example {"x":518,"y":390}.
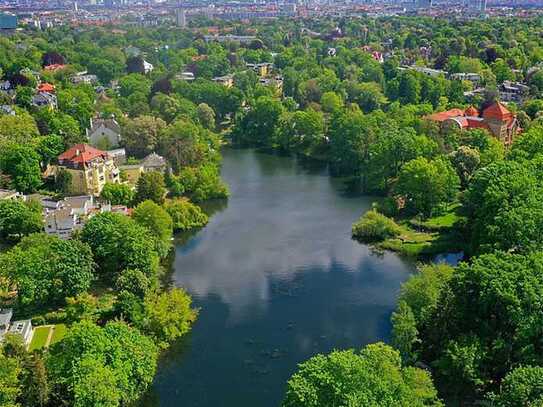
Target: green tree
{"x":18,"y":218}
{"x":19,"y":129}
{"x":150,"y":186}
{"x":117,"y":194}
{"x":522,"y":386}
{"x":405,"y":334}
{"x":257,"y":126}
{"x":10,"y":385}
{"x":142,"y":135}
{"x":199,"y":184}
{"x":22,"y":164}
{"x":373,"y":226}
{"x":331,"y":102}
{"x":158,"y":222}
{"x":373,"y":377}
{"x":185,"y":143}
{"x":185,"y":215}
{"x":300,"y":131}
{"x":118,"y":243}
{"x":427,"y":184}
{"x":46,"y":269}
{"x":504,"y":208}
{"x":465,"y":161}
{"x":134,"y":282}
{"x":81,"y":307}
{"x":169,"y":315}
{"x":473,"y":340}
{"x":206,"y":116}
{"x":108,"y":366}
{"x":409,"y":88}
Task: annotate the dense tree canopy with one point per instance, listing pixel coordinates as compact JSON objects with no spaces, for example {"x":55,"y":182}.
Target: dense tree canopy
{"x":46,"y":269}
{"x":119,"y":243}
{"x":372,"y":377}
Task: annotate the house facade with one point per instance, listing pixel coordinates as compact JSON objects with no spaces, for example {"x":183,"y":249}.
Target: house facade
{"x":7,"y":326}
{"x":104,"y":133}
{"x":90,"y":169}
{"x":496,"y":118}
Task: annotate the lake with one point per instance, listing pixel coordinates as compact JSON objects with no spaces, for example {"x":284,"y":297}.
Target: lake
{"x":278,"y":279}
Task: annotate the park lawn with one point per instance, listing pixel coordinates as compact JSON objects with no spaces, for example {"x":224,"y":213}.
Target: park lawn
{"x":39,"y":338}
{"x":443,"y":222}
{"x":58,"y":333}
{"x":414,"y":243}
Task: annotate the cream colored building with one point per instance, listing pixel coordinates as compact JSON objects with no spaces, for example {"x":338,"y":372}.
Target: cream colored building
{"x":90,"y":169}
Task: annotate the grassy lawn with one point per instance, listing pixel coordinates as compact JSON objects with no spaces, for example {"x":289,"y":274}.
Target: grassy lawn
{"x":446,"y":221}
{"x":431,"y":236}
{"x":41,"y":333}
{"x":58,"y":333}
{"x":40,"y":337}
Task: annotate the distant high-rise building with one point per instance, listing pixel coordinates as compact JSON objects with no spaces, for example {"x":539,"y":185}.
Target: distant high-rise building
{"x":423,"y":4}
{"x":477,"y":5}
{"x":181,"y":17}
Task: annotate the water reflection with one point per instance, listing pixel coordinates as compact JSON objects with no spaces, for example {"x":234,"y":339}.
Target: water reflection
{"x":278,"y":279}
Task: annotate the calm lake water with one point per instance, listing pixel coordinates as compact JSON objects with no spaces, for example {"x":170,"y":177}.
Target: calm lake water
{"x":278,"y":279}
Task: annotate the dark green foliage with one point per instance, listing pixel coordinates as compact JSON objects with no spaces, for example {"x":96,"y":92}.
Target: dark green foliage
{"x":22,"y":164}
{"x":117,"y":194}
{"x":199,"y":184}
{"x":18,"y":218}
{"x":158,"y":222}
{"x":150,"y":186}
{"x":522,"y":386}
{"x":46,"y":269}
{"x":373,"y":377}
{"x":504,"y":208}
{"x":108,"y":366}
{"x":185,"y":215}
{"x":426,"y":185}
{"x":119,"y":243}
{"x":487,"y":321}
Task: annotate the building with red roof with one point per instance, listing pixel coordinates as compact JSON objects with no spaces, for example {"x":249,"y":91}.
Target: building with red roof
{"x":46,"y":87}
{"x":496,"y":119}
{"x":89,"y":167}
{"x":54,"y":67}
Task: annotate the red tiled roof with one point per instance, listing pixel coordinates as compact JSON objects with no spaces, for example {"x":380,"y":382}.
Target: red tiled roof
{"x":471,"y":111}
{"x":54,"y":67}
{"x":81,"y":154}
{"x":442,"y":116}
{"x":476,"y":123}
{"x":46,"y":87}
{"x":497,"y":111}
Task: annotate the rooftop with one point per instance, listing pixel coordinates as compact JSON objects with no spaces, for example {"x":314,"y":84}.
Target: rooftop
{"x":82,"y":154}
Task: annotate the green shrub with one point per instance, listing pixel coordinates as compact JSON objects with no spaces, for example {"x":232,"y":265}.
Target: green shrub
{"x":39,"y":320}
{"x":54,"y":317}
{"x":374,"y":226}
{"x":185,"y":215}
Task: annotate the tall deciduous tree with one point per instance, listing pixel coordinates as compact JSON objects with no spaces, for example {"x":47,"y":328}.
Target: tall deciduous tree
{"x":372,"y":377}
{"x":46,"y":269}
{"x":427,"y":184}
{"x":158,"y":222}
{"x":108,"y":366}
{"x":22,"y":164}
{"x":142,"y":135}
{"x":119,"y":243}
{"x":150,"y":186}
{"x":18,"y":218}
